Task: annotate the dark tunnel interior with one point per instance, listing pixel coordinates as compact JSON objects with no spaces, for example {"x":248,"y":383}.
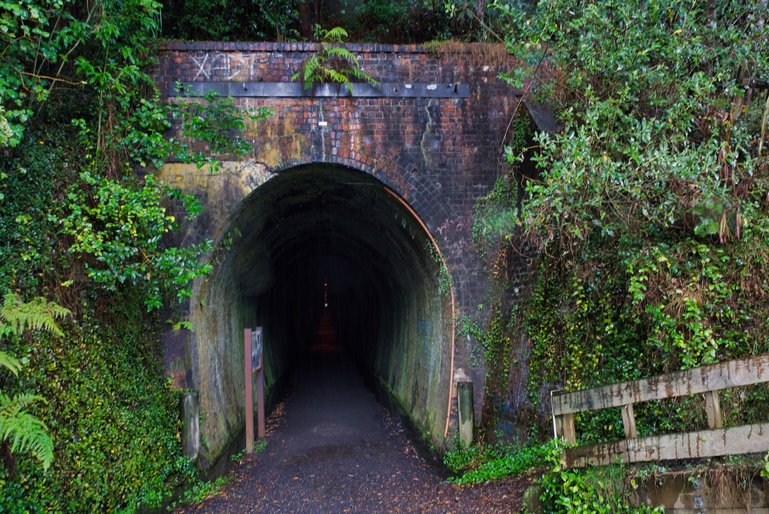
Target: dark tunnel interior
{"x":322,"y":244}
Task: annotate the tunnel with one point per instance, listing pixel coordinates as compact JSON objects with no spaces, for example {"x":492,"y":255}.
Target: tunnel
{"x":315,"y":245}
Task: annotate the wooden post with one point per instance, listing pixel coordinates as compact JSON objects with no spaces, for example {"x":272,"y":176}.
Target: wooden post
{"x":713,"y":410}
{"x":564,"y":427}
{"x":248,"y":377}
{"x":628,"y":421}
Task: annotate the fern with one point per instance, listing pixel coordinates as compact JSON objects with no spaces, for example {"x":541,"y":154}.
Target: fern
{"x":342,"y":53}
{"x":37,"y":314}
{"x":332,"y":63}
{"x":10,"y":363}
{"x":23,"y":431}
{"x":20,"y":430}
{"x":335,"y":35}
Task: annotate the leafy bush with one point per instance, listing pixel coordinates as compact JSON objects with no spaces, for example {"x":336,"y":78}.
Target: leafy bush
{"x":112,"y":417}
{"x":491,"y":464}
{"x":77,"y":224}
{"x":21,"y":431}
{"x":589,"y":491}
{"x":649,"y":220}
{"x":117,"y":230}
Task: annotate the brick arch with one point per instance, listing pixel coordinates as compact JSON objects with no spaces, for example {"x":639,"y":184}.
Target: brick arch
{"x":432,"y":133}
{"x":425,"y":201}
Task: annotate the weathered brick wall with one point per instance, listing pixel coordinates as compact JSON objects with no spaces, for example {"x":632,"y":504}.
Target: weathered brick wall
{"x":439,"y":154}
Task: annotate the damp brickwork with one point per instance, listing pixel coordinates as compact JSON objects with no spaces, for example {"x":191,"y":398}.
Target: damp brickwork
{"x":439,"y":154}
{"x":439,"y":151}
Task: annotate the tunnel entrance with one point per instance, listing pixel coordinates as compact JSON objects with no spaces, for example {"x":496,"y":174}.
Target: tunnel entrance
{"x":326,"y":259}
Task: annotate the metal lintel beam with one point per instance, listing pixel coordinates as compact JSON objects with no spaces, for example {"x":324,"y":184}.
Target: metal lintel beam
{"x":296,"y":90}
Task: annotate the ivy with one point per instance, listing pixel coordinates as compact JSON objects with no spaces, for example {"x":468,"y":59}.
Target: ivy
{"x":84,"y":222}
{"x":594,"y":490}
{"x":118,"y":231}
{"x":647,"y":221}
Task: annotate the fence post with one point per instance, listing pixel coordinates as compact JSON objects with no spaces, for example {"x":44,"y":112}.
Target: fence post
{"x":248,"y":379}
{"x":713,"y":409}
{"x":563,"y":424}
{"x":628,"y":421}
{"x":466,"y":411}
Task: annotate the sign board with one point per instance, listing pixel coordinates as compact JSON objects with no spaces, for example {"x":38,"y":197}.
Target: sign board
{"x":256,"y":349}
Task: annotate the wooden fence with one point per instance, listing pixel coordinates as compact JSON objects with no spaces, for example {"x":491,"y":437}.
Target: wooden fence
{"x":706,"y":380}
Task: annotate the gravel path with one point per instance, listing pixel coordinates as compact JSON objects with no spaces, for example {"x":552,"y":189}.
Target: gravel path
{"x":331,"y":448}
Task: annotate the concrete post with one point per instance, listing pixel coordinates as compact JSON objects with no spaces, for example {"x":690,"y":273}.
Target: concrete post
{"x":190,"y":406}
{"x":466,"y":411}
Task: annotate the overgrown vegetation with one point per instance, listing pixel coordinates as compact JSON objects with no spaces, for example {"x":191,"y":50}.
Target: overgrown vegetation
{"x":479,"y":463}
{"x":649,"y":217}
{"x":560,"y":490}
{"x":601,"y":490}
{"x":84,"y":225}
{"x":21,"y":431}
{"x":382,"y":21}
{"x":332,"y":63}
{"x":646,"y":223}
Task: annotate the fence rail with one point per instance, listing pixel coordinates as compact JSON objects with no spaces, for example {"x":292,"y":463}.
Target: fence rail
{"x":706,"y":380}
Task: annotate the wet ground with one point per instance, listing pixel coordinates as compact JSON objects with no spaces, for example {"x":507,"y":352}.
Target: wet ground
{"x":331,"y":448}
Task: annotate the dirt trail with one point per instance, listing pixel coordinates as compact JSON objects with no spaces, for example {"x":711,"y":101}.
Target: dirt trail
{"x":331,"y":448}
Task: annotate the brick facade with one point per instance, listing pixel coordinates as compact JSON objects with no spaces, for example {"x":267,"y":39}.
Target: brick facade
{"x":439,"y":154}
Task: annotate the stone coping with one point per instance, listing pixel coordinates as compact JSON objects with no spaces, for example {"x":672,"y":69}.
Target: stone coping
{"x":270,"y":46}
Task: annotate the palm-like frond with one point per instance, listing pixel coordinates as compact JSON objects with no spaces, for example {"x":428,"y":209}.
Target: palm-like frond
{"x":10,"y":363}
{"x":332,"y":63}
{"x":37,"y":314}
{"x":22,"y":430}
{"x":310,"y":69}
{"x":359,"y":74}
{"x":342,"y":53}
{"x":335,"y":35}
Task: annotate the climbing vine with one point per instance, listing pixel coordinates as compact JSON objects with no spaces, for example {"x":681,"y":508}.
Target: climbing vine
{"x":646,"y":222}
{"x":85,"y":223}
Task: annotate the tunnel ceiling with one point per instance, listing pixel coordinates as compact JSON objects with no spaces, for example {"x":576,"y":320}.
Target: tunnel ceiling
{"x":329,"y":217}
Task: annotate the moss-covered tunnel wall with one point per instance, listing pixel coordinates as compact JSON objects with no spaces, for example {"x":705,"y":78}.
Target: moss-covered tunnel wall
{"x":374,"y":192}
{"x":313,"y":234}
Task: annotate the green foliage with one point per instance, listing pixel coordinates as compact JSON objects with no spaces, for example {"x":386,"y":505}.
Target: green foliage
{"x":20,"y":430}
{"x":405,"y":21}
{"x":77,"y":224}
{"x":117,"y":230}
{"x":585,"y":491}
{"x":483,"y":463}
{"x":332,"y":63}
{"x":765,"y":470}
{"x":463,"y":457}
{"x":214,"y":123}
{"x":24,"y":432}
{"x":495,"y":341}
{"x":381,"y":21}
{"x":111,"y":412}
{"x":226,"y":20}
{"x":649,"y":216}
{"x":201,"y":490}
{"x":260,"y":445}
{"x":494,"y":221}
{"x":37,"y":314}
{"x":25,"y":29}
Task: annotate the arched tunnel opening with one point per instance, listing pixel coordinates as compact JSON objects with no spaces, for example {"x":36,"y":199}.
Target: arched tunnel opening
{"x":325,"y":258}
